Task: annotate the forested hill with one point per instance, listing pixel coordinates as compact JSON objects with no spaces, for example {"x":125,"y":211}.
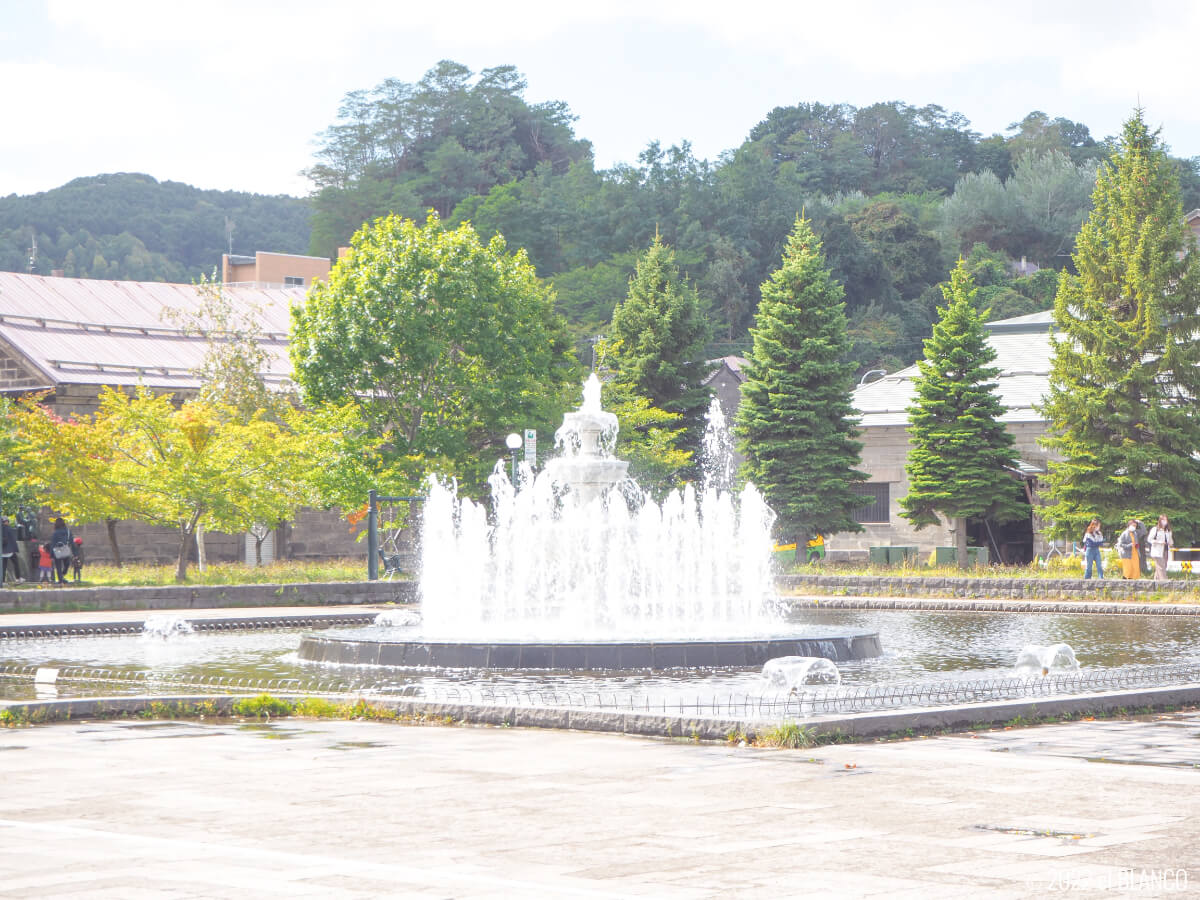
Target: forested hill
{"x":130,"y":226}
{"x":896,"y":192}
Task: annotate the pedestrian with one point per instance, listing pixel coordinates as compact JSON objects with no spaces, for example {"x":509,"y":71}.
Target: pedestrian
{"x":1127,"y":551}
{"x":60,"y":547}
{"x":1143,"y":546}
{"x":8,"y":551}
{"x":1092,"y":539}
{"x":45,"y":564}
{"x":1162,"y":542}
{"x":77,"y":560}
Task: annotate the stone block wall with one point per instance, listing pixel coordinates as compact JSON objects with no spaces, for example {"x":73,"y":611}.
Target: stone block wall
{"x":986,"y":588}
{"x":14,"y":375}
{"x":314,"y":535}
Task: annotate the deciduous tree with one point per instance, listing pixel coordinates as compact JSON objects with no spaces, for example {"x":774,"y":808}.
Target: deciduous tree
{"x":444,"y":343}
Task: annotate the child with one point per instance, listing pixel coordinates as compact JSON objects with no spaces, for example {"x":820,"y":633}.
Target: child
{"x":45,"y":563}
{"x":77,"y":560}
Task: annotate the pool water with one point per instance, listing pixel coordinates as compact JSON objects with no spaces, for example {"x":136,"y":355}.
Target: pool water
{"x":918,"y":646}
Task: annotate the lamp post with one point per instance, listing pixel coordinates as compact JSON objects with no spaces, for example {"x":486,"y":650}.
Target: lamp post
{"x":513,"y":442}
{"x":882,"y":373}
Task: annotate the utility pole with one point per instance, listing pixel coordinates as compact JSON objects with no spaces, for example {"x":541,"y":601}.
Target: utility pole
{"x":33,"y":252}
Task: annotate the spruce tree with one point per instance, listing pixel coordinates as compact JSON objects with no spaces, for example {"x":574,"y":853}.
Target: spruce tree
{"x":1126,"y":368}
{"x":656,"y":343}
{"x":959,"y":447}
{"x":795,"y":421}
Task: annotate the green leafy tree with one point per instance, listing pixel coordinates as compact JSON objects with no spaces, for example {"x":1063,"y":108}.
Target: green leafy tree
{"x":15,"y":488}
{"x":444,"y":343}
{"x":66,"y":465}
{"x":959,"y":446}
{"x":1126,"y":367}
{"x":181,"y":468}
{"x":795,"y":420}
{"x":656,"y":341}
{"x":236,"y":363}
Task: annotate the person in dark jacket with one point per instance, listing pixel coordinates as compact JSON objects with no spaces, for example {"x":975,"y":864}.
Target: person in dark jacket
{"x":77,"y":560}
{"x":8,"y":551}
{"x":62,"y":560}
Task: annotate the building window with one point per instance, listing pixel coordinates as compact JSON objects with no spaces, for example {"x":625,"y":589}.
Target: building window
{"x":875,"y":509}
{"x":293,"y":281}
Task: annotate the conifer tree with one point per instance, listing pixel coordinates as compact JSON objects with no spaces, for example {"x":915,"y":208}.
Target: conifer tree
{"x":1126,"y":368}
{"x":656,"y":343}
{"x":959,"y":446}
{"x":795,"y":421}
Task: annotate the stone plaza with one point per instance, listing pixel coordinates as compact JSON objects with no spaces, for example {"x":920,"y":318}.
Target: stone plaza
{"x":320,"y":808}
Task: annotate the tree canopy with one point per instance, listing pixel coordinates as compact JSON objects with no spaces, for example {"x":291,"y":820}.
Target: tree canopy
{"x":445,"y":343}
{"x":1126,"y":366}
{"x":656,"y":342}
{"x":406,"y":148}
{"x":960,"y":449}
{"x":795,"y":421}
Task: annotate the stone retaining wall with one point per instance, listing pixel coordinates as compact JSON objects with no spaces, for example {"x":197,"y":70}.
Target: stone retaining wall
{"x":68,"y":599}
{"x":997,"y":588}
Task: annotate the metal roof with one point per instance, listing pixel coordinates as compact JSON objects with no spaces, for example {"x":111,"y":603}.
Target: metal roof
{"x":1023,"y":355}
{"x":735,"y":364}
{"x":88,"y":331}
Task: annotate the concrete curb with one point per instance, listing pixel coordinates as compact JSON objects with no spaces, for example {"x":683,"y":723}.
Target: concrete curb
{"x":666,"y":724}
{"x":69,"y":599}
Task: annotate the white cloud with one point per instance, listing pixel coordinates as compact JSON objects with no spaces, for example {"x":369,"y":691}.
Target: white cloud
{"x":51,"y":105}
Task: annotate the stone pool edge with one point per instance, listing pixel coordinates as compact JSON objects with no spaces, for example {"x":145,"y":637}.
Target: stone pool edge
{"x":820,"y":729}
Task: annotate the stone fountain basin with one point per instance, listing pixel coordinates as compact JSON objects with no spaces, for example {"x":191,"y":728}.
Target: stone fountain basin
{"x":616,"y":654}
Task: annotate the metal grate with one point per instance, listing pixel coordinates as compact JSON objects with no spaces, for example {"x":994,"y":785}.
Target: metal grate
{"x":877,"y":496}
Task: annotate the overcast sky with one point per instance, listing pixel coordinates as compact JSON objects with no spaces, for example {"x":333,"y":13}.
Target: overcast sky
{"x":229,"y":95}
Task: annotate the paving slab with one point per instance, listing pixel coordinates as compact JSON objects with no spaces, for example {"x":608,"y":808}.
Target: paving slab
{"x":303,"y":808}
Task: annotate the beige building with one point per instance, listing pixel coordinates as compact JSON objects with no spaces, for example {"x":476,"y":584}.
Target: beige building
{"x":1023,"y":355}
{"x":273,"y":270}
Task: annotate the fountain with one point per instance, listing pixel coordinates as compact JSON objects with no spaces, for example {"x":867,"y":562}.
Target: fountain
{"x":794,"y":672}
{"x":577,"y":568}
{"x":165,"y":627}
{"x":1051,"y":659}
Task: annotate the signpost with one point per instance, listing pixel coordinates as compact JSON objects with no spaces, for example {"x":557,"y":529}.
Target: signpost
{"x":531,"y":447}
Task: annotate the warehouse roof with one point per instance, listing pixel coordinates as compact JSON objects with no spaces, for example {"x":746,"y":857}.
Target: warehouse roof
{"x":88,"y":331}
{"x":1023,"y":355}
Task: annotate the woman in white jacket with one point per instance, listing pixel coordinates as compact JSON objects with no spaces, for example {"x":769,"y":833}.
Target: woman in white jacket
{"x":1162,"y":542}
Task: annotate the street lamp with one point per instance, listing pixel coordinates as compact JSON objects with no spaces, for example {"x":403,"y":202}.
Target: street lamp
{"x":513,"y":442}
{"x":867,"y":374}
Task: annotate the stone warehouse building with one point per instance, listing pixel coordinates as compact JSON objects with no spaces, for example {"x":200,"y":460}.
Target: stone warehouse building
{"x":1023,"y":355}
{"x":71,"y":336}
